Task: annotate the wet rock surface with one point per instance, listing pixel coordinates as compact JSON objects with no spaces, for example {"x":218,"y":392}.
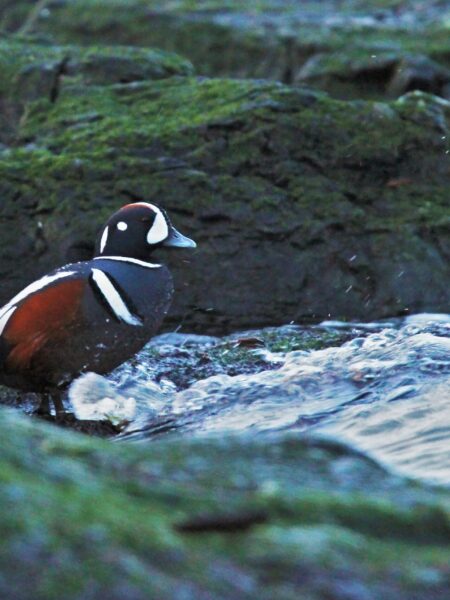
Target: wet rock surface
{"x":184,"y":359}
{"x":383,"y":387}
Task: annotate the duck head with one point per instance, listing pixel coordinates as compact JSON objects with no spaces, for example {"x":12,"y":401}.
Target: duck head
{"x":136,"y":230}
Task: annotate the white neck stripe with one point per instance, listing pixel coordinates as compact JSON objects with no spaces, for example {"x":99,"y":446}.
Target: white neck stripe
{"x":134,"y":261}
{"x":113,"y":298}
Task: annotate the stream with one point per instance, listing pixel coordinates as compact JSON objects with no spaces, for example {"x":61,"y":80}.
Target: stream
{"x":385,"y":391}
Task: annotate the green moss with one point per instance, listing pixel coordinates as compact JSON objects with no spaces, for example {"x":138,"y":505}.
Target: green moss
{"x":277,"y":341}
{"x":85,"y":517}
{"x":300,"y":161}
{"x":97,"y":64}
{"x":30,"y":71}
{"x":117,"y":115}
{"x":90,"y":127}
{"x":356,"y":56}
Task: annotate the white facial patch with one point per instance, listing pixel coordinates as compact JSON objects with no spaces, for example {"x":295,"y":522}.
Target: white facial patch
{"x":122,"y":226}
{"x":7,"y":310}
{"x":113,"y":298}
{"x":159,"y":230}
{"x":104,"y":239}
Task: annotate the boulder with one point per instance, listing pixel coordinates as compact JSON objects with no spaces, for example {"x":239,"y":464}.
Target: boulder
{"x":284,"y":516}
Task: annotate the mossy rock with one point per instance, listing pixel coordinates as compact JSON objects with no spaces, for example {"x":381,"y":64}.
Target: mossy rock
{"x":341,"y":206}
{"x":351,"y":49}
{"x":279,"y":516}
{"x":31,"y":70}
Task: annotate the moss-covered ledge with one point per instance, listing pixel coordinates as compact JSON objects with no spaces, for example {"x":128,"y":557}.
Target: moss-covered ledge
{"x":32,"y":70}
{"x":350,"y":48}
{"x":273,"y":516}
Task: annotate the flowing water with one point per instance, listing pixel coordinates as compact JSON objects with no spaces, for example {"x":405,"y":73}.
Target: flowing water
{"x":386,"y":392}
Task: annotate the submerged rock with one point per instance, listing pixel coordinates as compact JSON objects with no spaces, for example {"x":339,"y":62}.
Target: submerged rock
{"x":282,"y":516}
{"x":303,"y":207}
{"x":383,"y":387}
{"x":144,"y":387}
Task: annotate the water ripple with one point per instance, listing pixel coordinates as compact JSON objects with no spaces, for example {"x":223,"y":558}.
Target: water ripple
{"x":387,"y":393}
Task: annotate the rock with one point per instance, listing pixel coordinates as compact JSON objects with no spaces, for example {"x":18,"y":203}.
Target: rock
{"x":32,"y":71}
{"x":303,"y":207}
{"x":420,"y":73}
{"x":384,"y":74}
{"x":282,"y":516}
{"x":351,"y":49}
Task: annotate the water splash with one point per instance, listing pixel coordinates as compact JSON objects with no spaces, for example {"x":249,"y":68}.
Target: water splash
{"x":386,"y":392}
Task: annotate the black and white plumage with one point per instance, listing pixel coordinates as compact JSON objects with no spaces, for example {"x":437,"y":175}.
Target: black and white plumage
{"x":94,"y":315}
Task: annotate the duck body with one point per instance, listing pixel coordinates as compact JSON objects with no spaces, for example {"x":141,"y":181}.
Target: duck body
{"x":70,"y":325}
{"x":93,"y":315}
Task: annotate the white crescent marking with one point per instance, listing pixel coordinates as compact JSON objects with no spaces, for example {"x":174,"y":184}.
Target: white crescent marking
{"x":159,"y":230}
{"x":104,"y":239}
{"x":113,"y":298}
{"x":5,"y":318}
{"x":6,"y":311}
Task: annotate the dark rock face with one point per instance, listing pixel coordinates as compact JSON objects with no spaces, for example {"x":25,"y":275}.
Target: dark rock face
{"x":303,"y":207}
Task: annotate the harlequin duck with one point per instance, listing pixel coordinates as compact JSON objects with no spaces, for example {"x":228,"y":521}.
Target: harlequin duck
{"x":90,"y":316}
